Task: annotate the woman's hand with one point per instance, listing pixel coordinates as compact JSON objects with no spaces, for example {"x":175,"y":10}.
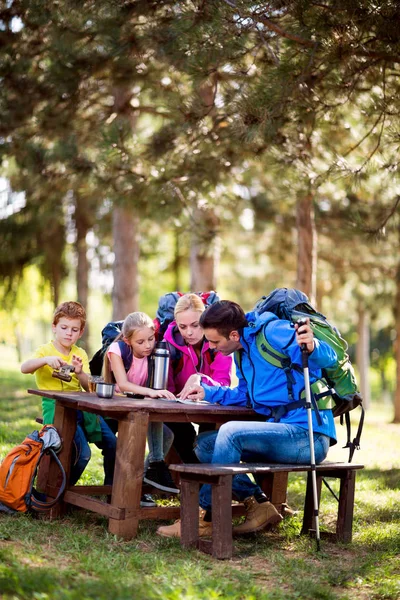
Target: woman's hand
{"x":193,"y":380}
{"x":304,"y":335}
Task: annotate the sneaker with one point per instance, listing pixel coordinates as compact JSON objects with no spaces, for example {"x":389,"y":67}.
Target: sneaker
{"x":205,"y":528}
{"x":258,"y":516}
{"x":147,"y":501}
{"x":158,"y":476}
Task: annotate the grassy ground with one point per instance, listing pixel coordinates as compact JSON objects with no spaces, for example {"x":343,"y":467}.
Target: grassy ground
{"x":76,"y":558}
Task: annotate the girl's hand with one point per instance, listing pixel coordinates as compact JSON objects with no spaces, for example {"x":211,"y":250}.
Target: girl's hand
{"x":304,"y":335}
{"x":55,"y":362}
{"x":193,"y":380}
{"x":77,"y":363}
{"x":160,"y":394}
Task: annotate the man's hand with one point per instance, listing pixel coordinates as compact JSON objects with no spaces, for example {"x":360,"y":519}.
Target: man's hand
{"x":193,"y":380}
{"x":304,"y":335}
{"x":194,"y":392}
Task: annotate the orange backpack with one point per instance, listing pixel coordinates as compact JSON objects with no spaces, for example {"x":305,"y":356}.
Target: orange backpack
{"x":19,"y":468}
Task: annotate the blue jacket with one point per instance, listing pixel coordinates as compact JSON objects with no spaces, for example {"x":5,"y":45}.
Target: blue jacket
{"x":262,"y":384}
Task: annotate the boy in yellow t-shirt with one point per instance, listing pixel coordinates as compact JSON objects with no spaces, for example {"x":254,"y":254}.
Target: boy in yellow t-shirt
{"x":69,"y":321}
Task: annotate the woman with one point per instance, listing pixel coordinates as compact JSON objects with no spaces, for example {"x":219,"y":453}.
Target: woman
{"x":191,"y":360}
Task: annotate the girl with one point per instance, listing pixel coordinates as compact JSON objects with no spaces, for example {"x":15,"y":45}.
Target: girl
{"x":138,"y":333}
{"x":191,"y":361}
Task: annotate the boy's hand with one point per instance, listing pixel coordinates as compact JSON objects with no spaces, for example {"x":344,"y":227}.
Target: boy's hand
{"x":55,"y":362}
{"x":77,"y":363}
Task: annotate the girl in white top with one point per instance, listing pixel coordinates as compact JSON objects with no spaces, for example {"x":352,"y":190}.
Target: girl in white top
{"x":138,"y":333}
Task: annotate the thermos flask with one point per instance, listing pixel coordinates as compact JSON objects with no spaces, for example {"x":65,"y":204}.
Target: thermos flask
{"x":161,"y":366}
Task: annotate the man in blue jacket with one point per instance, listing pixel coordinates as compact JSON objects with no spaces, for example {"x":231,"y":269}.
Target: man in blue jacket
{"x":283,"y":436}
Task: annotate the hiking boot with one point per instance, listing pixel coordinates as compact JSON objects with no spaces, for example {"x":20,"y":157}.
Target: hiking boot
{"x":205,"y":527}
{"x":147,"y":501}
{"x":258,"y":516}
{"x":158,"y":476}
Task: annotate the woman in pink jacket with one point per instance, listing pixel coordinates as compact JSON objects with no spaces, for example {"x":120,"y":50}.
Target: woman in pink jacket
{"x":191,"y":360}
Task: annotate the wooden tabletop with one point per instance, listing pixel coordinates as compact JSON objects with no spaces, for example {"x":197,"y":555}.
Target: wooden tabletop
{"x":118,"y":404}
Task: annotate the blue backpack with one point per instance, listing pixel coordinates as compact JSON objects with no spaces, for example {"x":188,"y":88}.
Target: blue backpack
{"x":108,"y":335}
{"x":337,"y":389}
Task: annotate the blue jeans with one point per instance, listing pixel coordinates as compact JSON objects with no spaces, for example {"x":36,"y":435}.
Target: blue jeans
{"x":159,"y":439}
{"x":81,"y":451}
{"x":108,"y":447}
{"x":255,"y":442}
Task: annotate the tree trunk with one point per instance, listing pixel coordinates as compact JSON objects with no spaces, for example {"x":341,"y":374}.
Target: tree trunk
{"x":125,"y":294}
{"x":307,"y":246}
{"x":204,"y":250}
{"x":82,"y":225}
{"x":397,"y":349}
{"x":176,"y":265}
{"x":363,"y":354}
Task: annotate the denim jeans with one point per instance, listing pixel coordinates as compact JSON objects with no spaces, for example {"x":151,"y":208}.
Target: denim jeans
{"x":159,"y":439}
{"x":81,"y":451}
{"x":108,"y":447}
{"x":255,"y":442}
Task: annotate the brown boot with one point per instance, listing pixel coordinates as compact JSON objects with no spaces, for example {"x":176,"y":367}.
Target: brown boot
{"x":205,"y":527}
{"x":258,"y":516}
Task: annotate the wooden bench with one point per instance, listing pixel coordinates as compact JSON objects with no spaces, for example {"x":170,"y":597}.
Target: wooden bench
{"x":274,"y":481}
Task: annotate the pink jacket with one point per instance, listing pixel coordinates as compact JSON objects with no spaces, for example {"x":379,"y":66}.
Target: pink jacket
{"x":217,"y":372}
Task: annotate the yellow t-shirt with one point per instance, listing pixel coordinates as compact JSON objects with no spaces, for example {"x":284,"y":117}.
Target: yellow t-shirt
{"x":43,"y":376}
{"x":45,"y":381}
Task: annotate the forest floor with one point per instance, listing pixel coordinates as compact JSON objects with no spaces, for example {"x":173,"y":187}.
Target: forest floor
{"x":77,"y":559}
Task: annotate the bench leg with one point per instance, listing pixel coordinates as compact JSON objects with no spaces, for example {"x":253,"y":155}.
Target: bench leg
{"x":222,"y":517}
{"x":189,"y":513}
{"x":344,"y":524}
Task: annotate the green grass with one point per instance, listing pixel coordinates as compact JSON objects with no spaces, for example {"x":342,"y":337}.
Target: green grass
{"x":76,"y":557}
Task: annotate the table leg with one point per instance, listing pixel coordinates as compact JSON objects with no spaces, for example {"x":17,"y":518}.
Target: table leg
{"x":65,"y":423}
{"x":128,"y":474}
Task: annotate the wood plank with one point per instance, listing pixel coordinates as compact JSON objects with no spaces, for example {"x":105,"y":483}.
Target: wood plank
{"x":128,"y":474}
{"x":97,"y":506}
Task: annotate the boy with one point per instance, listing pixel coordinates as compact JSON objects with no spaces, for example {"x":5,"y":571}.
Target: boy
{"x":69,"y":321}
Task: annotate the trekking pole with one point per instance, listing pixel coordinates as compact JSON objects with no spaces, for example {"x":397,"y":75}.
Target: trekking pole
{"x":304,"y":355}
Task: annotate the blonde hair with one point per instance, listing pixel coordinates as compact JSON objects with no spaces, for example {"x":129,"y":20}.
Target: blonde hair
{"x":189,"y":302}
{"x":132,"y":323}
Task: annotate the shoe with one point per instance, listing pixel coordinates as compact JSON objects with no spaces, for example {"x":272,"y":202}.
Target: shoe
{"x":158,"y":476}
{"x":147,"y":501}
{"x":205,"y":528}
{"x":258,"y":516}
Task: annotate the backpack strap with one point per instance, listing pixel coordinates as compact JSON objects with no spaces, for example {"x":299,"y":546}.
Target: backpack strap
{"x":355,"y":444}
{"x":126,"y":354}
{"x":37,"y":503}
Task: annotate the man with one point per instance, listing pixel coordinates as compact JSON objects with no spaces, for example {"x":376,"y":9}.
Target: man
{"x":283,"y":436}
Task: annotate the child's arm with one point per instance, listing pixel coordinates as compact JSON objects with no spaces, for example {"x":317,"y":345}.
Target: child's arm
{"x":81,"y":375}
{"x":33,"y":364}
{"x":124,"y":385}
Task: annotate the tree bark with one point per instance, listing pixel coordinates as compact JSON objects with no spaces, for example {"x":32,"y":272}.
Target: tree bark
{"x":363,"y":354}
{"x":307,"y":246}
{"x":204,"y":250}
{"x":125,"y":294}
{"x":82,"y":225}
{"x":397,"y":348}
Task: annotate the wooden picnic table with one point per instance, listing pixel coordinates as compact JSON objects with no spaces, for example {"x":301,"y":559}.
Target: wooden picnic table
{"x":133,"y":416}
